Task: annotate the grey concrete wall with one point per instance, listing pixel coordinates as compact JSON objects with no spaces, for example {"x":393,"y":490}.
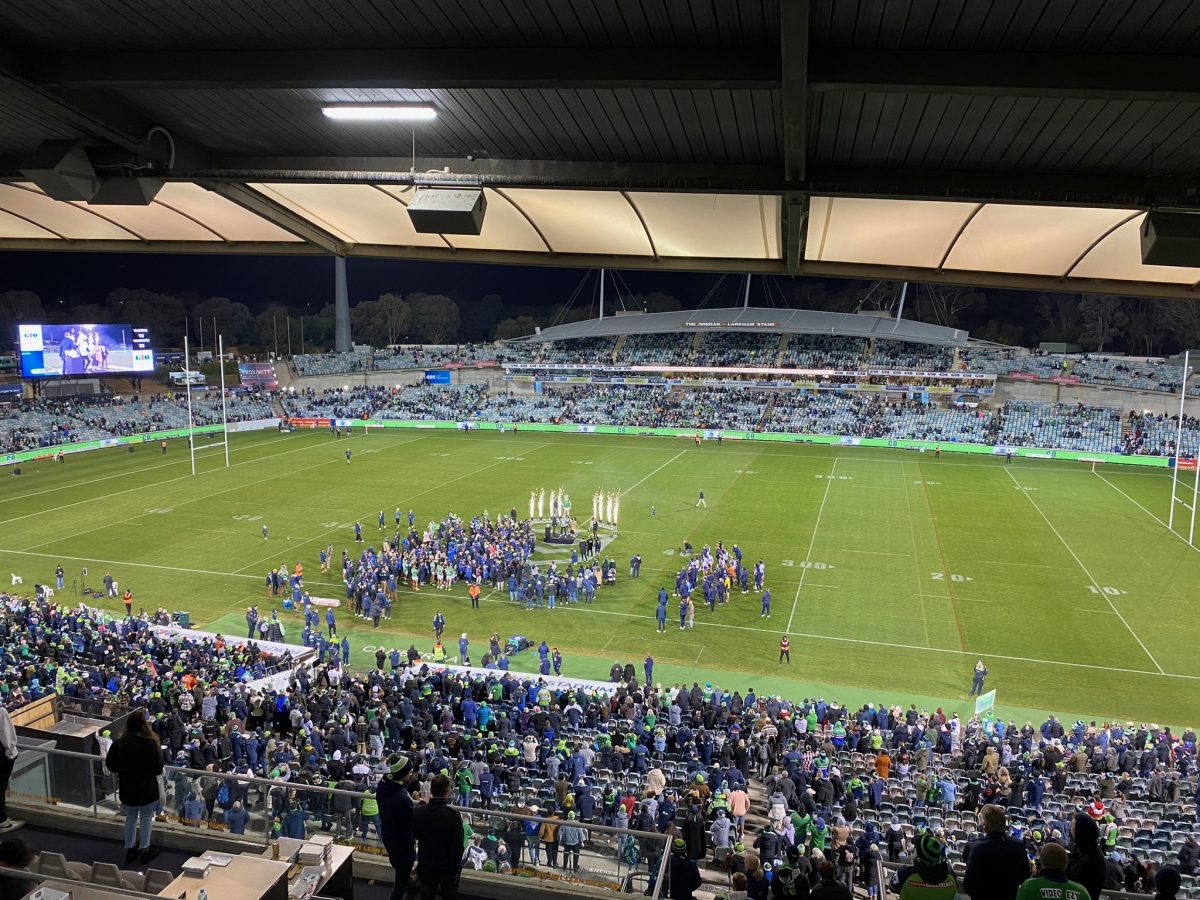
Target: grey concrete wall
{"x":1091,"y":395}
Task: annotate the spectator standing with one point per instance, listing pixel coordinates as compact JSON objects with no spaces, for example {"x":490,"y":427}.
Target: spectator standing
{"x":829,"y":888}
{"x":8,"y":754}
{"x":135,"y":758}
{"x":394,"y":799}
{"x":1086,"y":864}
{"x":438,"y":830}
{"x":570,"y":839}
{"x":996,"y":864}
{"x":930,"y":878}
{"x":684,"y":873}
{"x":1167,"y":883}
{"x":1051,"y":882}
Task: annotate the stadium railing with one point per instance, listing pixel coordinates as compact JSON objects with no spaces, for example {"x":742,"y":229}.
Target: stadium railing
{"x":604,"y":860}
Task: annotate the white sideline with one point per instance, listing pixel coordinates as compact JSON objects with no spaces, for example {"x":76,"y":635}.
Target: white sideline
{"x":1095,"y":584}
{"x":812,"y":543}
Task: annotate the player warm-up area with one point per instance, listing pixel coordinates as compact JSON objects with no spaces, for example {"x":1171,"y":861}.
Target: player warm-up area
{"x":892,"y":571}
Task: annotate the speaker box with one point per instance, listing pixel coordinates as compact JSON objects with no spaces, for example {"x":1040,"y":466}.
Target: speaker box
{"x":17,"y":471}
{"x":127,"y":191}
{"x":448,"y":210}
{"x":1171,"y":238}
{"x":62,"y":170}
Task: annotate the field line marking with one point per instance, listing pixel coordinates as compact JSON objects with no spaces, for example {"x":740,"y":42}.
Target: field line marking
{"x":159,"y":483}
{"x":1170,"y":531}
{"x":811,"y":544}
{"x":912,"y":530}
{"x":656,"y":471}
{"x":174,"y":461}
{"x":207,"y":496}
{"x":1095,"y":584}
{"x":937,"y":534}
{"x":865,"y":642}
{"x":138,"y":565}
{"x":304,"y":542}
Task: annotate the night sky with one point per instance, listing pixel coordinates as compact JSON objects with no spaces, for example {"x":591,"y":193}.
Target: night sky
{"x":300,"y":281}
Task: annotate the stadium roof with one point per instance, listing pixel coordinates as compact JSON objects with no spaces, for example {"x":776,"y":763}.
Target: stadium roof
{"x":991,"y":142}
{"x":751,"y":319}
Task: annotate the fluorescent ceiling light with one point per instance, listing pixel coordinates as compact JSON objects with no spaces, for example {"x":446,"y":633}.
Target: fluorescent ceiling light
{"x":380,"y":112}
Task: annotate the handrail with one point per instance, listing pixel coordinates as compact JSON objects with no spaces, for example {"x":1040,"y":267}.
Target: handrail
{"x":269,"y":784}
{"x":358,"y":795}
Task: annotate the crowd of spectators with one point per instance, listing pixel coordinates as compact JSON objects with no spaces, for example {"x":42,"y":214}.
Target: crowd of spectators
{"x":1155,"y":376}
{"x":842,"y":413}
{"x":49,"y":646}
{"x":50,"y":422}
{"x":746,"y":779}
{"x":391,"y":358}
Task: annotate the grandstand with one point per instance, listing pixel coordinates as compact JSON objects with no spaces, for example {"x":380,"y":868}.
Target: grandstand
{"x":1033,"y":145}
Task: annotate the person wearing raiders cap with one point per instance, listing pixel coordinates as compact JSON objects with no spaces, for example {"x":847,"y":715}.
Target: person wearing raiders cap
{"x":930,"y":878}
{"x":395,"y":802}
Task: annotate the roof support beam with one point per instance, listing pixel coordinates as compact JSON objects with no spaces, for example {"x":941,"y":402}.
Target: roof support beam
{"x":280,"y":215}
{"x":795,"y":226}
{"x":1087,"y":76}
{"x":103,"y":117}
{"x":495,"y":173}
{"x":1004,"y":187}
{"x":417,"y":67}
{"x":793,"y":38}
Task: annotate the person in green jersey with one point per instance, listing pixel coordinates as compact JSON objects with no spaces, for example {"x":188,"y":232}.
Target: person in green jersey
{"x":930,"y":878}
{"x":1051,"y":882}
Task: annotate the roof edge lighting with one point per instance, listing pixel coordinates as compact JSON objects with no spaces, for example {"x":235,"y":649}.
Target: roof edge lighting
{"x":380,"y":112}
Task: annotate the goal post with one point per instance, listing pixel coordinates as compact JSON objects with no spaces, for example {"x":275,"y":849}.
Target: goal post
{"x":1181,"y":496}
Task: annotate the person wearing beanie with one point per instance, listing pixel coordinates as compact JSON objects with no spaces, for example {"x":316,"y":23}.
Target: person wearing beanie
{"x":1086,"y":864}
{"x":789,"y":881}
{"x":394,"y":800}
{"x":996,"y":864}
{"x":930,"y":878}
{"x":684,"y":872}
{"x":441,"y":841}
{"x":1166,"y":883}
{"x":1051,"y":882}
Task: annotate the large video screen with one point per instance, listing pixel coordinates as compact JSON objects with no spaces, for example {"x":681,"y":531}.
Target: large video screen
{"x":80,"y":351}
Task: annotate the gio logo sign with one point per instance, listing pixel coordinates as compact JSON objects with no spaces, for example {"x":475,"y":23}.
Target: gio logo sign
{"x":31,"y":337}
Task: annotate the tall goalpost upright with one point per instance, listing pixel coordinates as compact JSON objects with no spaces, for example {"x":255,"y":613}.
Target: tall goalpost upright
{"x":191,"y":428}
{"x":1178,"y":462}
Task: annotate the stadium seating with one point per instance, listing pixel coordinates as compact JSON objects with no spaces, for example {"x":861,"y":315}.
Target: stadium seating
{"x":720,"y":348}
{"x":654,"y":350}
{"x":357,"y":360}
{"x":47,"y":423}
{"x":908,"y":355}
{"x":823,"y":351}
{"x":1061,"y":425}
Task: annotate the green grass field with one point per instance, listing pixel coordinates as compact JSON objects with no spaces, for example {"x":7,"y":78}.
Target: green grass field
{"x":891,"y":570}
